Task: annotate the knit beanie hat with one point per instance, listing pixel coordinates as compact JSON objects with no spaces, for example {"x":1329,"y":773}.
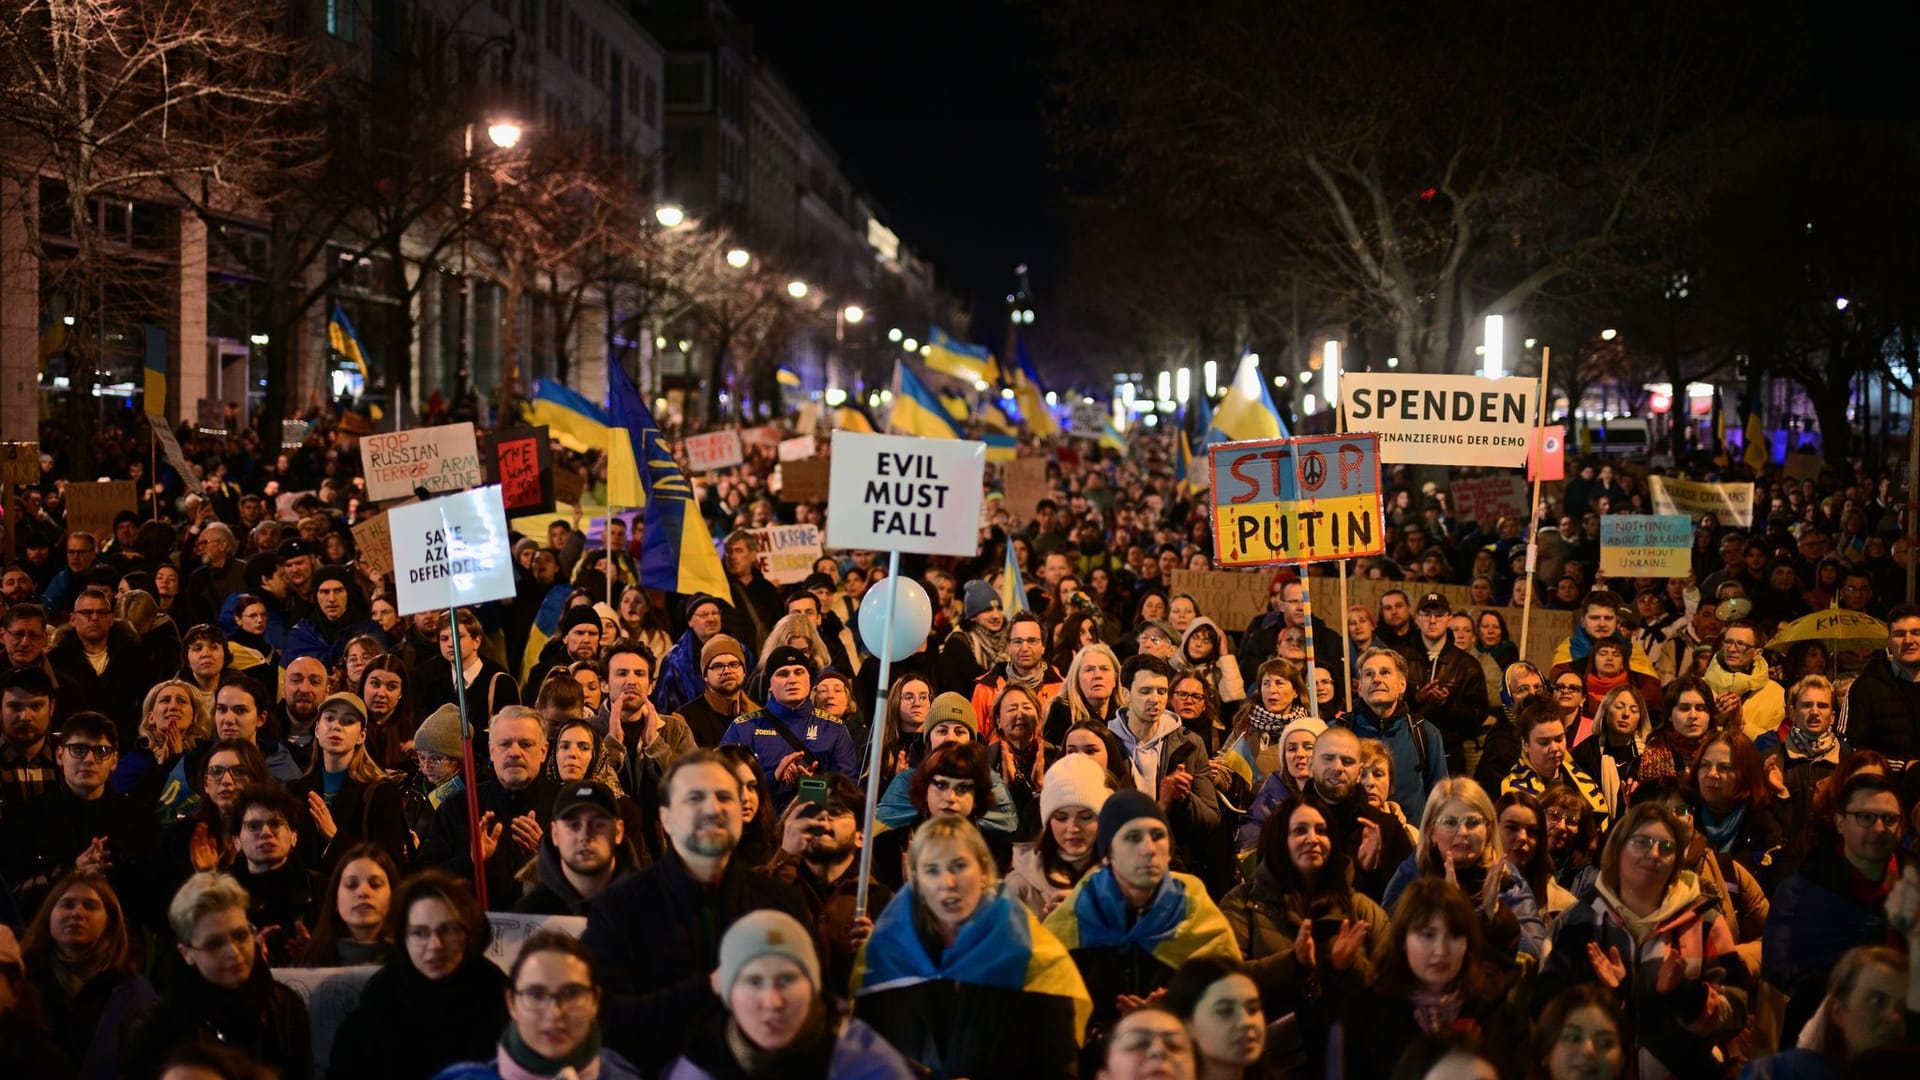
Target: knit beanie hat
{"x":1306,"y":723}
{"x":764,"y":933}
{"x":951,"y":708}
{"x":580,"y":615}
{"x":980,"y":598}
{"x":1074,"y":780}
{"x":787,"y":656}
{"x":697,"y":601}
{"x":440,"y":732}
{"x":720,"y":645}
{"x":1122,"y":807}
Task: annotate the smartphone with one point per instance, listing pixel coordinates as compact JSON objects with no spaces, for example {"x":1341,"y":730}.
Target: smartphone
{"x":813,"y":790}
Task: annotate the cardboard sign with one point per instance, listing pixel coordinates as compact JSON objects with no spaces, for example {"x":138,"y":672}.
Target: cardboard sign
{"x":91,"y":506}
{"x":1088,"y":418}
{"x":170,"y":449}
{"x":451,"y":551}
{"x":1442,"y":419}
{"x":436,"y":458}
{"x":20,"y":462}
{"x":1026,"y":480}
{"x":510,"y":931}
{"x":210,"y":415}
{"x":1229,"y":597}
{"x":1297,"y":500}
{"x":568,"y":487}
{"x":374,"y":543}
{"x":714,"y":450}
{"x":1730,"y":504}
{"x":1549,"y":628}
{"x":805,"y":481}
{"x":522,"y":464}
{"x":766,"y":436}
{"x":900,"y":493}
{"x":798,"y":448}
{"x":1804,"y":466}
{"x":1646,"y":545}
{"x":786,"y":552}
{"x":1487,"y":499}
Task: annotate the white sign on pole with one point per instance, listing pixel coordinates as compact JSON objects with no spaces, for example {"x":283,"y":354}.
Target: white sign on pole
{"x":1442,"y":419}
{"x":436,"y":458}
{"x":901,"y":493}
{"x":1089,"y":417}
{"x":714,"y":450}
{"x":451,"y":551}
{"x":798,"y":448}
{"x":170,"y":447}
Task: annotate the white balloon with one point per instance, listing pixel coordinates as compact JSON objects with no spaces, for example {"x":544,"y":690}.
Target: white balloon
{"x":910,"y":624}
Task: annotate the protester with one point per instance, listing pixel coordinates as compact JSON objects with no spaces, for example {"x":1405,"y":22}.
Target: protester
{"x":80,"y":955}
{"x":352,"y":927}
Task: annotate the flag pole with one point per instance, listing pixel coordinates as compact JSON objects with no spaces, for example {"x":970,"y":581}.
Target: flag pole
{"x":876,"y":740}
{"x":1306,"y":601}
{"x":1537,"y":457}
{"x":1346,"y":646}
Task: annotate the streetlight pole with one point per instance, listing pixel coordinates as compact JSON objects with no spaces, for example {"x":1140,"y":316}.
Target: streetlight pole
{"x":504,"y":134}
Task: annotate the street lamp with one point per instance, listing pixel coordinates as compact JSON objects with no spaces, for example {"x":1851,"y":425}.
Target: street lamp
{"x":738,"y":258}
{"x":669,"y":215}
{"x":853,"y":313}
{"x":1609,"y":334}
{"x":797,"y":289}
{"x":1496,"y":346}
{"x":504,"y":133}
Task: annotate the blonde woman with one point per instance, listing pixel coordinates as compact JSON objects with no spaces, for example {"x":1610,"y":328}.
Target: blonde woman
{"x":1091,"y":692}
{"x":173,"y":720}
{"x":1460,"y":841}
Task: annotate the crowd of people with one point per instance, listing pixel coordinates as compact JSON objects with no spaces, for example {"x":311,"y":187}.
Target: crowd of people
{"x":1117,"y":834}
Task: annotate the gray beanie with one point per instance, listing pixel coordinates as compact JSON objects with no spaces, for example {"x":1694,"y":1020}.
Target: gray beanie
{"x":980,"y":599}
{"x":764,"y":933}
{"x":440,"y":732}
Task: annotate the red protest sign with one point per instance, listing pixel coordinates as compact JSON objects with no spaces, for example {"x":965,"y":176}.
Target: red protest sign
{"x":522,"y":463}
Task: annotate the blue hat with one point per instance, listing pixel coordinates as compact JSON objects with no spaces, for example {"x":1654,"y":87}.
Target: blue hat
{"x":980,"y":599}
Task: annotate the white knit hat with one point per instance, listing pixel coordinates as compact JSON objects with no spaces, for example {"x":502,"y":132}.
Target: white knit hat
{"x":1306,"y":723}
{"x":1074,"y":780}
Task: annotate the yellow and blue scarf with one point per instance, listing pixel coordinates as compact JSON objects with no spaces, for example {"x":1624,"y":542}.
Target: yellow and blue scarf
{"x":1181,"y":923}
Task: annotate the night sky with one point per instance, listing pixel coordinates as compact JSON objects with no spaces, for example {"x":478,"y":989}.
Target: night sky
{"x":935,"y":111}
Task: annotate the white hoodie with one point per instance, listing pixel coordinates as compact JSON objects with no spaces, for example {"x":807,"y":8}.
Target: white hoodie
{"x":1145,"y":754}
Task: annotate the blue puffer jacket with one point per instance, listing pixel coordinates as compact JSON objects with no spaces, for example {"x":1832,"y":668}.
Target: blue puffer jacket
{"x":1514,"y":894}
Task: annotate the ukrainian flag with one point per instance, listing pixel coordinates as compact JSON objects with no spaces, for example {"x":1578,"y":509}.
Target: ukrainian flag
{"x":678,"y":555}
{"x":1181,"y":923}
{"x":1755,"y":437}
{"x":949,"y":356}
{"x":579,"y":424}
{"x":1013,"y":588}
{"x":852,"y":417}
{"x":1199,"y":419}
{"x":1183,"y":464}
{"x":1001,"y":447}
{"x":1001,"y":945}
{"x":545,"y":621}
{"x":993,"y":413}
{"x":1111,"y":439}
{"x":786,"y":377}
{"x":1247,"y":411}
{"x":916,"y":410}
{"x":156,"y":385}
{"x":342,"y":339}
{"x":1031,"y":393}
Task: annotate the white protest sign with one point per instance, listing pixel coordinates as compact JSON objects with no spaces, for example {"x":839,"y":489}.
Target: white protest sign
{"x":714,"y":450}
{"x":900,"y":493}
{"x":1442,"y":419}
{"x":436,"y":458}
{"x":786,"y":553}
{"x":330,"y":994}
{"x":1088,"y":418}
{"x":511,"y":930}
{"x":1487,"y":499}
{"x":1730,"y":504}
{"x":451,"y":551}
{"x":798,"y":448}
{"x":170,"y":447}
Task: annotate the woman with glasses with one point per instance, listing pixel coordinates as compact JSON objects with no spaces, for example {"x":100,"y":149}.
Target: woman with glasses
{"x":1568,"y":694}
{"x":352,"y":927}
{"x":1621,"y":728}
{"x":223,"y":994}
{"x":1744,"y":906}
{"x":909,"y":700}
{"x":1460,"y":843}
{"x":440,"y":1001}
{"x":437,"y":777}
{"x":552,"y":1030}
{"x":1673,"y":750}
{"x":361,"y":650}
{"x":196,"y":839}
{"x":81,"y":959}
{"x":1650,"y":934}
{"x":1573,"y":842}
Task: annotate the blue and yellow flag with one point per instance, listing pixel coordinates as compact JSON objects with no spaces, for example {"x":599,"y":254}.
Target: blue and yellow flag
{"x":1198,"y":420}
{"x":916,"y":409}
{"x":546,"y":620}
{"x":851,"y":417}
{"x":579,"y":424}
{"x":1183,"y":463}
{"x":994,"y":415}
{"x":1756,"y":453}
{"x":1112,"y":439}
{"x":1181,"y":922}
{"x":1001,"y":447}
{"x":1001,"y":946}
{"x":969,"y":363}
{"x":156,"y":384}
{"x":343,"y":340}
{"x":1013,"y":588}
{"x":1031,"y":393}
{"x":678,"y":554}
{"x":1247,"y":412}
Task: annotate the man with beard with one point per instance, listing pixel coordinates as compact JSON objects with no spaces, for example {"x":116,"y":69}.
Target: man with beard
{"x":724,"y":665}
{"x":585,"y":852}
{"x":513,"y":809}
{"x":819,"y":855}
{"x":338,"y":615}
{"x":1395,"y":627}
{"x":101,"y":667}
{"x":656,"y":933}
{"x":1375,"y":841}
{"x":306,"y":685}
{"x":1026,"y":664}
{"x":577,"y":638}
{"x":16,"y":585}
{"x":788,"y":736}
{"x":682,"y":671}
{"x":219,"y":575}
{"x":27,"y":762}
{"x":649,"y":740}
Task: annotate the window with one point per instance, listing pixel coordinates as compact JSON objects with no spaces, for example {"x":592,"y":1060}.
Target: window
{"x":340,"y":18}
{"x":553,"y":27}
{"x":687,"y":82}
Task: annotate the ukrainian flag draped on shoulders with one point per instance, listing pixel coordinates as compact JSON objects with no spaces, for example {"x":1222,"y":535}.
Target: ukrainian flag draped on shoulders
{"x":1181,"y":923}
{"x":677,"y":552}
{"x":1002,"y":945}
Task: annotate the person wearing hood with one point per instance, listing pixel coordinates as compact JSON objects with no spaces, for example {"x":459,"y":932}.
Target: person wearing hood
{"x":683,"y":672}
{"x":1653,"y":937}
{"x":1203,"y":651}
{"x":978,"y":644}
{"x":1168,"y":761}
{"x":576,"y":638}
{"x":339,"y":613}
{"x":779,"y":1019}
{"x":586,"y":849}
{"x":792,"y":739}
{"x":1023,"y":661}
{"x":97,"y":662}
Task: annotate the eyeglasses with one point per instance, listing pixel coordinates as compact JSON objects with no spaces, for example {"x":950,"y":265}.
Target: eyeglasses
{"x":92,"y":613}
{"x":573,"y":997}
{"x":1470,"y":822}
{"x":85,"y":750}
{"x":256,"y":826}
{"x":1568,"y":687}
{"x":1730,"y":644}
{"x":726,"y":665}
{"x":232,"y":939}
{"x":1641,"y":843}
{"x":239,"y":774}
{"x":1867,"y":819}
{"x":1562,"y":817}
{"x":1188,"y":695}
{"x":446,"y":933}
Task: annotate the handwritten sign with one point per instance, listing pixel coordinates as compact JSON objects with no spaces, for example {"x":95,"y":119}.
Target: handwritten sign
{"x":798,"y":448}
{"x":1730,"y":504}
{"x":511,"y":930}
{"x":805,"y":481}
{"x":1487,"y":499}
{"x":450,"y":551}
{"x":374,"y":543}
{"x":900,"y":493}
{"x":436,"y":458}
{"x":170,"y":449}
{"x":523,"y":467}
{"x":1646,"y":545}
{"x":568,"y":487}
{"x":1229,"y":597}
{"x":786,"y":552}
{"x":19,"y":462}
{"x":1026,"y":486}
{"x":1297,"y":500}
{"x":92,"y":506}
{"x":1088,"y":418}
{"x":1442,"y":419}
{"x":714,"y":450}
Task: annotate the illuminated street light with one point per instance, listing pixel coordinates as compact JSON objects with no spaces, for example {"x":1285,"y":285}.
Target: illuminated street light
{"x":1840,"y":304}
{"x":1183,"y":385}
{"x":504,"y":134}
{"x":797,"y":289}
{"x":854,"y":313}
{"x":894,"y":335}
{"x":669,"y":215}
{"x":910,"y":345}
{"x":738,"y":258}
{"x":1330,"y":368}
{"x":1609,"y":334}
{"x":1210,"y":374}
{"x":1496,"y":346}
{"x":1165,"y":386}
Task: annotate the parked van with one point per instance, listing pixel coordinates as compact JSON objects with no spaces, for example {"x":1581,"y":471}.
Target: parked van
{"x":1621,"y":435}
